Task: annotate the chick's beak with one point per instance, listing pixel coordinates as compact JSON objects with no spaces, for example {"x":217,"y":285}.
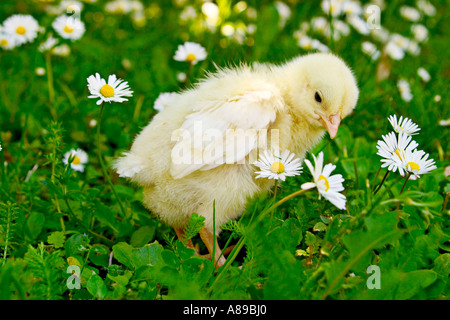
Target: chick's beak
{"x":331,"y":124}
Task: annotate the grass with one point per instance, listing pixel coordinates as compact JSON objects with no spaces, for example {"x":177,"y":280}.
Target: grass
{"x":52,"y":217}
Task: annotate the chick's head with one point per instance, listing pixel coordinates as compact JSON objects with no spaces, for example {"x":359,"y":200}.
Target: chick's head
{"x":322,"y":89}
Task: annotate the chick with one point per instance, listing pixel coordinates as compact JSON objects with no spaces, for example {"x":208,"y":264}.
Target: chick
{"x":201,"y":147}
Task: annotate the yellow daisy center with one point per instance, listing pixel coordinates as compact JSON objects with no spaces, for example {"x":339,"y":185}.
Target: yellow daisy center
{"x":76,"y":160}
{"x":68,"y":29}
{"x":3,"y":42}
{"x":107,"y":91}
{"x":277,"y":167}
{"x":190,"y":57}
{"x":413,"y":166}
{"x":400,"y":153}
{"x":21,"y":30}
{"x":327,"y":183}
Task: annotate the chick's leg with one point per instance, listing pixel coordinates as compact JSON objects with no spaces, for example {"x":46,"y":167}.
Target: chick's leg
{"x":208,"y":239}
{"x":180,"y":233}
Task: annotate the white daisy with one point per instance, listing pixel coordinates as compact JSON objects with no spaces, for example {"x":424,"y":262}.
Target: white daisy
{"x":7,"y":42}
{"x":191,"y":52}
{"x":278,"y":166}
{"x":403,"y":125}
{"x":359,"y":24}
{"x":328,"y":185}
{"x":410,"y":13}
{"x":420,"y":32}
{"x":164,"y":99}
{"x":24,"y":28}
{"x":69,"y":27}
{"x":416,"y":163}
{"x":423,"y":74}
{"x":114,"y":90}
{"x":62,"y":50}
{"x":48,"y":44}
{"x":71,"y":7}
{"x":333,"y":7}
{"x":80,"y":158}
{"x":426,"y":7}
{"x":392,"y":149}
{"x":405,"y":90}
{"x":394,"y":51}
{"x":118,"y":7}
{"x":371,"y":50}
{"x":352,"y":7}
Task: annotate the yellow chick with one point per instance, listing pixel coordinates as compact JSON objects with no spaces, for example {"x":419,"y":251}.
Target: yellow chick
{"x":201,"y":147}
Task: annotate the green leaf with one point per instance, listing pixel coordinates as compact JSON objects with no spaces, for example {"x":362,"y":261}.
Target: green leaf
{"x":134,"y":258}
{"x":170,"y":259}
{"x":142,"y":236}
{"x":35,"y":224}
{"x":97,"y":287}
{"x":380,"y":231}
{"x":183,"y":251}
{"x":56,"y":238}
{"x":123,"y":253}
{"x":148,"y":255}
{"x":194,"y":226}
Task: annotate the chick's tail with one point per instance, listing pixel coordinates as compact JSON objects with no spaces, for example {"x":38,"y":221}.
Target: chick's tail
{"x":128,"y":165}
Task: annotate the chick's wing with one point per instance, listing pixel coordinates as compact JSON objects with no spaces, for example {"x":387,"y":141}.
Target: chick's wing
{"x":225,"y":130}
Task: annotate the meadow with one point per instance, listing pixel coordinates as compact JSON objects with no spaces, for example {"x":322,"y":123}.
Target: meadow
{"x":84,"y":234}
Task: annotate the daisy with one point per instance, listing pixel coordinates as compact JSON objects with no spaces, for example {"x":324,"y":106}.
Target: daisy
{"x":426,"y":7}
{"x":410,"y":13}
{"x":403,"y":125}
{"x":359,"y":24}
{"x":423,"y":74}
{"x":329,"y":186}
{"x":405,"y":90}
{"x":7,"y":42}
{"x":393,"y":149}
{"x":163,"y":100}
{"x":416,"y":163}
{"x":191,"y":52}
{"x":114,"y":90}
{"x":71,"y":7}
{"x":80,"y":158}
{"x":62,"y":50}
{"x":394,"y":51}
{"x":420,"y":32}
{"x":333,"y":7}
{"x":118,"y":7}
{"x":371,"y":50}
{"x":69,"y":27}
{"x":48,"y":44}
{"x":278,"y":167}
{"x":24,"y":28}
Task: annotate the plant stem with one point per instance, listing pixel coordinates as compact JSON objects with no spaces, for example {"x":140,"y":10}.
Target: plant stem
{"x":188,"y":75}
{"x":213,"y":258}
{"x":406,"y":180}
{"x":376,"y":177}
{"x":51,"y":90}
{"x":382,"y":181}
{"x":100,"y":159}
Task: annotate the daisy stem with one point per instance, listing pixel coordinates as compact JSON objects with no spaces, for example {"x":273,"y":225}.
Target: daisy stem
{"x":188,"y":75}
{"x":51,"y":91}
{"x":376,"y":177}
{"x":275,"y":188}
{"x":382,"y":181}
{"x":100,"y":159}
{"x":404,"y":184}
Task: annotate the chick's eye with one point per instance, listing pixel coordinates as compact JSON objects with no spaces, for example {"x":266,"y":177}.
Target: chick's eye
{"x":318,"y":97}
